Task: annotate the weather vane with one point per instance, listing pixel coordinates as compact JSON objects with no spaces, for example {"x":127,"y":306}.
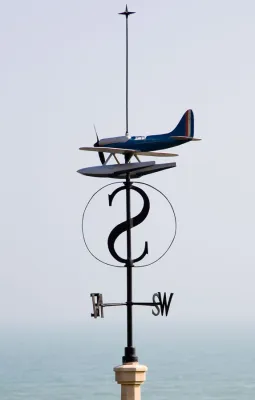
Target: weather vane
{"x":134,"y":147}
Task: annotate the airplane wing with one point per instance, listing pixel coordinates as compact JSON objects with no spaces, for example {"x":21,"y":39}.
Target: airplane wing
{"x":111,"y":150}
{"x":114,"y":150}
{"x":155,"y":154}
{"x":185,"y":138}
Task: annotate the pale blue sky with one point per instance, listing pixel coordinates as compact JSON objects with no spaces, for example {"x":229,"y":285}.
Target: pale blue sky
{"x":62,"y":69}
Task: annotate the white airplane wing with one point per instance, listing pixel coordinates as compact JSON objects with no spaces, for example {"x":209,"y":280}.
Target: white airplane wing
{"x":114,"y":150}
{"x":111,"y":150}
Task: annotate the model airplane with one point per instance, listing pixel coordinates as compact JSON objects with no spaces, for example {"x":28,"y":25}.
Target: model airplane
{"x":136,"y":146}
{"x":145,"y":145}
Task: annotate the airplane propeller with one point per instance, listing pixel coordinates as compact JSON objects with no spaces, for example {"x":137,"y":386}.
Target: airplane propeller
{"x":101,"y":155}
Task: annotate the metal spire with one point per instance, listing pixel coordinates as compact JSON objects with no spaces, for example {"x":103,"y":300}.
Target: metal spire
{"x":127,"y":13}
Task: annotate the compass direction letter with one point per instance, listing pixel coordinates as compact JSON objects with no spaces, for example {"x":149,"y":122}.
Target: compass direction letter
{"x":161,"y":304}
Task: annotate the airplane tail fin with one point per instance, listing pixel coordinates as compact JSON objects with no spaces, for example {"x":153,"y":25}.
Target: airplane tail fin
{"x":185,"y":128}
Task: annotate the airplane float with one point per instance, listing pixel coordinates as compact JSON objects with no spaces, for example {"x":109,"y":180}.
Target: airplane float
{"x":136,"y":146}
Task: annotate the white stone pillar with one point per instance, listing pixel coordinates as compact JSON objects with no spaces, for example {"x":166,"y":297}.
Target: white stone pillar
{"x":130,"y":376}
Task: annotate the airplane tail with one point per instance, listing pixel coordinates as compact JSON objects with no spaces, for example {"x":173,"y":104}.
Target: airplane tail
{"x":185,"y":128}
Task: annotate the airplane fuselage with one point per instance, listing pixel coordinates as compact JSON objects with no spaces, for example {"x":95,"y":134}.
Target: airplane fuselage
{"x":143,"y":143}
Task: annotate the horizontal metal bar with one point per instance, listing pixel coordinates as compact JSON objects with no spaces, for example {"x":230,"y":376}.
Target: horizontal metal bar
{"x":146,"y":304}
{"x":113,"y":304}
{"x":132,"y":303}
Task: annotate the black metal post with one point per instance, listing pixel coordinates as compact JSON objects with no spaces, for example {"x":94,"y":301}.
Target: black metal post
{"x":129,"y":350}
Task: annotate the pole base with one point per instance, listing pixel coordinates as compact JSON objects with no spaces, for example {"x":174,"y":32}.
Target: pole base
{"x":130,"y":355}
{"x":130,"y":376}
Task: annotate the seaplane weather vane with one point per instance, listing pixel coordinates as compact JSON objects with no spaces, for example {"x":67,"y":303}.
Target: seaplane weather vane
{"x":134,"y":146}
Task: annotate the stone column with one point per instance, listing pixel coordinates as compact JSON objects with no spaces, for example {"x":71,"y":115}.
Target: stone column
{"x":130,"y":376}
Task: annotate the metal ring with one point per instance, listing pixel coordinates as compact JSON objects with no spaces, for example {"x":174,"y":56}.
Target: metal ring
{"x":123,"y":266}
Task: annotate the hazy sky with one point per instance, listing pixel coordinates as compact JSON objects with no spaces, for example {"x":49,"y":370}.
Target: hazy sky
{"x":63,"y":69}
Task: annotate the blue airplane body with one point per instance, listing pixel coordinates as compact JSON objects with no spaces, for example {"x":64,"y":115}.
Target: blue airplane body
{"x":146,"y":145}
{"x":184,"y":132}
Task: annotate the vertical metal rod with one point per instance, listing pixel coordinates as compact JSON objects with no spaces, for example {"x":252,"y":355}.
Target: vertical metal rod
{"x":127,"y":13}
{"x":129,"y":350}
{"x":129,"y":267}
{"x":127,"y":75}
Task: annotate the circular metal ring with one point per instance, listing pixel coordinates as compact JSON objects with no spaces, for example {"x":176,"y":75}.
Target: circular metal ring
{"x":123,"y":266}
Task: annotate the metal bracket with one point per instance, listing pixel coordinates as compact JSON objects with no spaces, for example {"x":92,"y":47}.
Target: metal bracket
{"x":108,"y":158}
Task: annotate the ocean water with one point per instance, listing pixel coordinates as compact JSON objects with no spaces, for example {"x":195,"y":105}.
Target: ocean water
{"x":74,"y":364}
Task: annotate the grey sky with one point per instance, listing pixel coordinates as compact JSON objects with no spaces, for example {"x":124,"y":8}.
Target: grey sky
{"x":62,"y":69}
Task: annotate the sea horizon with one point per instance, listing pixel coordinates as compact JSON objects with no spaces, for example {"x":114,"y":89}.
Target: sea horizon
{"x":76,"y":362}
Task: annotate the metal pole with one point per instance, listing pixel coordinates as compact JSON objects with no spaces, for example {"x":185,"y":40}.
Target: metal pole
{"x":127,"y":13}
{"x":129,"y":350}
{"x":127,"y":75}
{"x":129,"y":267}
